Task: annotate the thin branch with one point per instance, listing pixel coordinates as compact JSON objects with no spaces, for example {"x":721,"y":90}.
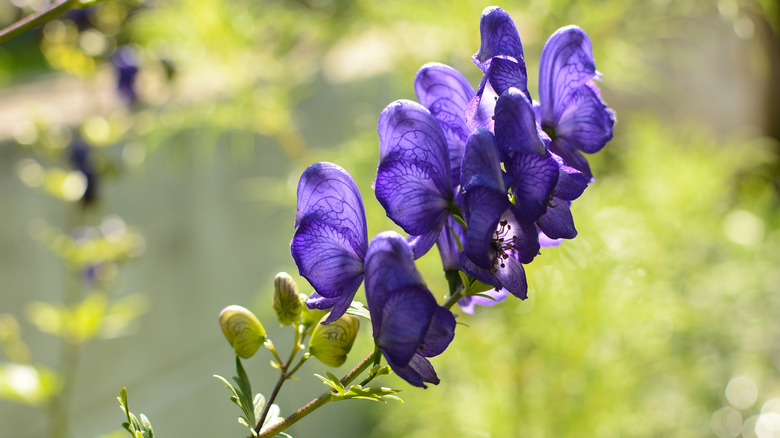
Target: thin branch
{"x":319,"y":401}
{"x":36,"y":19}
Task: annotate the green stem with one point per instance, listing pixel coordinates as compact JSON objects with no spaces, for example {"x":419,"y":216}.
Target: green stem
{"x":36,"y":19}
{"x":319,"y":401}
{"x":283,"y":376}
{"x":454,"y":298}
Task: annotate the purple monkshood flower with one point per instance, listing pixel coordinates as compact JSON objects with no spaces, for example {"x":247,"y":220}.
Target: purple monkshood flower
{"x":331,"y":238}
{"x":413,"y":181}
{"x":125,"y":62}
{"x":408,"y":325}
{"x":570,"y":105}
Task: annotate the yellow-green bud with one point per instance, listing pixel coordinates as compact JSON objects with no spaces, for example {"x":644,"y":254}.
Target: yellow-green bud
{"x":330,"y":343}
{"x":242,"y":329}
{"x":288,"y":303}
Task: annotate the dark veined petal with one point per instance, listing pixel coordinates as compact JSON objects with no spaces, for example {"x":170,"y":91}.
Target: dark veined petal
{"x":570,"y":103}
{"x":499,"y":37}
{"x":485,"y":207}
{"x":535,"y":178}
{"x":516,"y":128}
{"x":510,"y":277}
{"x":423,"y":243}
{"x":446,"y":92}
{"x":410,"y":196}
{"x":328,"y":195}
{"x":586,"y":122}
{"x":558,"y":223}
{"x":505,"y":73}
{"x":325,"y":256}
{"x":413,"y":183}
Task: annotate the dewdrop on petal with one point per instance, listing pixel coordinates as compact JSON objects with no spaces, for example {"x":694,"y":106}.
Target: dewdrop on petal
{"x":288,"y":303}
{"x":332,"y":342}
{"x":242,"y":329}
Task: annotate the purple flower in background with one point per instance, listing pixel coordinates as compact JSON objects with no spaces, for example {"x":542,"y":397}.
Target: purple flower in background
{"x":570,"y":105}
{"x":80,"y":157}
{"x":125,"y":62}
{"x":413,"y":181}
{"x":331,"y":237}
{"x":408,"y":325}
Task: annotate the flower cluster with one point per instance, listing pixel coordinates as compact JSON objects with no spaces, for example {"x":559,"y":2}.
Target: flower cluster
{"x":486,"y":175}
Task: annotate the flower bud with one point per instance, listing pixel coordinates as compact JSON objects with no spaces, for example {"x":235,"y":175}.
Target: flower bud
{"x":242,"y":329}
{"x":288,"y":304}
{"x":330,"y":343}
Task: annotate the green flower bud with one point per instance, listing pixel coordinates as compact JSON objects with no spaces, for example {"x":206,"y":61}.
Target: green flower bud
{"x":242,"y":329}
{"x":288,"y":303}
{"x":331,"y":343}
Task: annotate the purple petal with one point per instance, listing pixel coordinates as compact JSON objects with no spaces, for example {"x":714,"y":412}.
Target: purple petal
{"x":510,"y":277}
{"x":486,"y":207}
{"x":499,"y":37}
{"x":413,"y":183}
{"x":587,"y":122}
{"x":535,"y":178}
{"x":448,"y":248}
{"x":467,"y":303}
{"x":339,"y":305}
{"x":570,"y":103}
{"x":423,"y":243}
{"x":389,"y":266}
{"x":446,"y":93}
{"x":480,"y":110}
{"x":325,"y":256}
{"x":571,"y":182}
{"x":410,"y":196}
{"x":482,"y":163}
{"x":418,"y":371}
{"x":405,"y":318}
{"x":440,"y":333}
{"x":571,"y":156}
{"x":546,"y":242}
{"x":515,"y":121}
{"x":328,"y":195}
{"x":505,"y":73}
{"x":558,"y":223}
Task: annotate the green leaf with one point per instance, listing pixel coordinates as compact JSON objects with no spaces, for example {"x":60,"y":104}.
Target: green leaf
{"x":374,"y":394}
{"x":332,"y":381}
{"x":476,"y":287}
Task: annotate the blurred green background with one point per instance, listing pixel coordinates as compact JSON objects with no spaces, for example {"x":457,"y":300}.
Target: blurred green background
{"x":662,"y":318}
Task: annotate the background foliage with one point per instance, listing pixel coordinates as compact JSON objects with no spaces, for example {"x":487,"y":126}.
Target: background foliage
{"x":660,"y":319}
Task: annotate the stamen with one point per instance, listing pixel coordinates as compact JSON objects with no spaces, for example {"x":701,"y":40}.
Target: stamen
{"x":502,"y":245}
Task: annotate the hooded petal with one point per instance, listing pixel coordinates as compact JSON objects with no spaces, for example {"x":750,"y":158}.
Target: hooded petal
{"x":499,"y":37}
{"x":446,"y":93}
{"x":571,"y":105}
{"x":558,"y":223}
{"x":330,"y":240}
{"x":413,"y":183}
{"x":327,"y":194}
{"x":480,"y":110}
{"x":534,"y":178}
{"x":516,"y":128}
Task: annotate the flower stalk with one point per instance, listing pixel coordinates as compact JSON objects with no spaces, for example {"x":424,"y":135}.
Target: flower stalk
{"x":34,"y":20}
